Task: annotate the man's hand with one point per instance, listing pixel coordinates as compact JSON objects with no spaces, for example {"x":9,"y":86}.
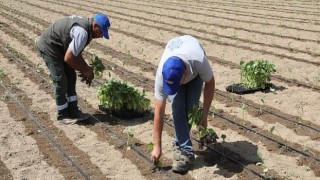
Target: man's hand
{"x":86,"y":79}
{"x":209,"y":138}
{"x":88,"y":73}
{"x":155,"y":155}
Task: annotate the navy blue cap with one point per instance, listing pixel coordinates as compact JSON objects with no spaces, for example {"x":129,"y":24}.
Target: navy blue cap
{"x":104,"y":24}
{"x":172,"y":73}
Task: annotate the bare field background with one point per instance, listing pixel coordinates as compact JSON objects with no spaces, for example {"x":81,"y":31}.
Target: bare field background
{"x":287,"y":33}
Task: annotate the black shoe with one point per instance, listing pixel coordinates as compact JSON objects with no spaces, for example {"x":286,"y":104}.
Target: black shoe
{"x":79,"y":115}
{"x":182,"y":161}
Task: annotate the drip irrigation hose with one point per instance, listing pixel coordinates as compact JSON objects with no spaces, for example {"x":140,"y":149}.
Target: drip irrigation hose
{"x":47,"y":134}
{"x":261,"y":134}
{"x":274,"y":114}
{"x":104,"y":125}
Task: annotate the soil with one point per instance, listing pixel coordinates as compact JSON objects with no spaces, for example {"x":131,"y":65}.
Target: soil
{"x":271,"y":135}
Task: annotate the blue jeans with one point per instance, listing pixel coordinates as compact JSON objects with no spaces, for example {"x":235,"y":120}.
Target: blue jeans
{"x":182,"y":102}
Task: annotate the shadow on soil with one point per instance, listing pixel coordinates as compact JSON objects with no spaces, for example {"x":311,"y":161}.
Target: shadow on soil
{"x":107,"y":118}
{"x":226,"y":167}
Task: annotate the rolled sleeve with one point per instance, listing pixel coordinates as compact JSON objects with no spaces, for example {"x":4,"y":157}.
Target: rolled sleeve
{"x":79,"y":39}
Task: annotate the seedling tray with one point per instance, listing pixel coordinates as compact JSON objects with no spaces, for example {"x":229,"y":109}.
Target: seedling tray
{"x":240,"y":88}
{"x":122,"y":114}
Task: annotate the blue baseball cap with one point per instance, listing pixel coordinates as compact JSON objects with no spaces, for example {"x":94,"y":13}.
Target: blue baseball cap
{"x":172,"y":73}
{"x":104,"y":24}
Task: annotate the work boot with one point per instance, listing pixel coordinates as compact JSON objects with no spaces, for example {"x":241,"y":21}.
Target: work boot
{"x":75,"y":113}
{"x":182,"y":160}
{"x":68,"y":121}
{"x":176,"y":151}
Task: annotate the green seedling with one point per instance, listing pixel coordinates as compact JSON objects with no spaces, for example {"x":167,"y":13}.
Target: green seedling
{"x":159,"y":164}
{"x":205,"y":135}
{"x":272,"y":129}
{"x":259,"y":154}
{"x":262,"y":104}
{"x":117,"y":95}
{"x":37,"y":67}
{"x":256,"y":73}
{"x":316,"y":79}
{"x":223,"y":136}
{"x":97,"y":66}
{"x":290,"y":72}
{"x":307,"y":149}
{"x":2,"y":74}
{"x":129,"y":137}
{"x":150,"y":146}
{"x":244,"y":107}
{"x":300,"y":110}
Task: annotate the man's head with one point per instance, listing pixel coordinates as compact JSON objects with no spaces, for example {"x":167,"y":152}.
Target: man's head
{"x":172,"y":72}
{"x":101,"y":26}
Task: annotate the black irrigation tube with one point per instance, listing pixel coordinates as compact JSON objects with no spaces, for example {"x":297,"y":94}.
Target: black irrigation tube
{"x":97,"y":119}
{"x":222,"y":43}
{"x":43,"y":130}
{"x":226,"y":18}
{"x":232,"y":160}
{"x":250,"y":49}
{"x":282,"y":144}
{"x":291,"y":11}
{"x":195,"y":21}
{"x":238,"y":12}
{"x":270,"y":139}
{"x":268,"y":3}
{"x":274,"y":114}
{"x":135,"y":149}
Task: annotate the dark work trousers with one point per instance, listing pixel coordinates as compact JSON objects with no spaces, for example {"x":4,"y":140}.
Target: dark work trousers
{"x":64,"y":80}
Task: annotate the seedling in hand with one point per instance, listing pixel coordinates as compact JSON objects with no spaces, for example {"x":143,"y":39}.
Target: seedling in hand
{"x":97,"y":66}
{"x":158,"y":164}
{"x":205,"y":135}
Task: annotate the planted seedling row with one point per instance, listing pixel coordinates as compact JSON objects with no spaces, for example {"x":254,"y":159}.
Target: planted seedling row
{"x":149,"y":80}
{"x":284,"y":10}
{"x":166,"y":163}
{"x":232,"y":19}
{"x":220,"y":61}
{"x":238,"y":12}
{"x":108,"y":133}
{"x":57,"y":150}
{"x":212,"y":33}
{"x":127,"y":73}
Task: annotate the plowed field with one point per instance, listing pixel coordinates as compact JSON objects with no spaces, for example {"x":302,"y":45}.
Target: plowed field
{"x":280,"y":129}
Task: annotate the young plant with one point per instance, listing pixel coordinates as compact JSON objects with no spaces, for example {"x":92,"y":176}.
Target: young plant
{"x":256,"y":73}
{"x":2,"y":74}
{"x":115,"y":96}
{"x":244,"y":107}
{"x":262,"y":100}
{"x":37,"y":67}
{"x":259,"y":154}
{"x":223,"y":136}
{"x":129,"y":136}
{"x":97,"y":66}
{"x":205,"y":135}
{"x":150,"y":146}
{"x":159,"y":164}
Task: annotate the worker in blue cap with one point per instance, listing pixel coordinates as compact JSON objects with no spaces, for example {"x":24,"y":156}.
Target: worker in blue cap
{"x":61,"y":46}
{"x":182,"y":71}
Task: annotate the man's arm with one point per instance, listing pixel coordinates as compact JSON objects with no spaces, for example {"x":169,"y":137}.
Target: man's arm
{"x":207,"y":99}
{"x":78,"y":63}
{"x":157,"y":129}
